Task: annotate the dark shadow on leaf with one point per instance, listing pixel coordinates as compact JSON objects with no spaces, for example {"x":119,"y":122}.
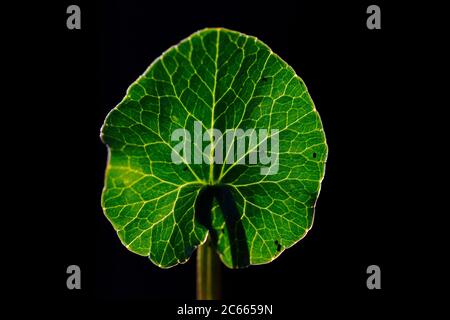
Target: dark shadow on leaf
{"x":238,"y":241}
{"x":203,"y":208}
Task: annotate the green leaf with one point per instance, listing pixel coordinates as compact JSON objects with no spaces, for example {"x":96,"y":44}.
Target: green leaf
{"x":221,"y":79}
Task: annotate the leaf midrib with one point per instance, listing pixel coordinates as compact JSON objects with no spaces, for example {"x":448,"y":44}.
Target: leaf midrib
{"x":211,"y":154}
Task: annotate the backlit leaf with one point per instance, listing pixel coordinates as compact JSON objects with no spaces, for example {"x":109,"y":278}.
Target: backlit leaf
{"x":221,"y":79}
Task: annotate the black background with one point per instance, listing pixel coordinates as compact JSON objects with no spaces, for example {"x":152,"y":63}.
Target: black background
{"x":354,"y":76}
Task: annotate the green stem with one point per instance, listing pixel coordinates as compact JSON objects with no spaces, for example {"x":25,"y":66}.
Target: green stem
{"x":208,"y":272}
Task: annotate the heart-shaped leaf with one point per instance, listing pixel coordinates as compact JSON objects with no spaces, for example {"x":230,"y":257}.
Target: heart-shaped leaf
{"x":251,"y":183}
